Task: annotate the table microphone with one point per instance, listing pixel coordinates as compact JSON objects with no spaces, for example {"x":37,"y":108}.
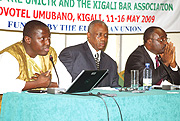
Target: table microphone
{"x":165,"y":67}
{"x":51,"y":59}
{"x":55,"y":90}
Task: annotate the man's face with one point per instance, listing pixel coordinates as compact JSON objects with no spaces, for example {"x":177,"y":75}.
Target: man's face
{"x":40,"y":42}
{"x":159,"y":41}
{"x":98,"y":36}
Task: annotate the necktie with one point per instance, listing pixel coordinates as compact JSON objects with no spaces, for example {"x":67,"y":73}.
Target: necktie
{"x":157,"y":61}
{"x":157,"y":65}
{"x":97,"y":60}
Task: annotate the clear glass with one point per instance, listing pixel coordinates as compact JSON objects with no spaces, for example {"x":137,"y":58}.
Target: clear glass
{"x":135,"y":79}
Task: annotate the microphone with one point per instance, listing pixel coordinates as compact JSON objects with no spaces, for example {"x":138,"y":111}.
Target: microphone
{"x":55,"y":90}
{"x":165,"y":67}
{"x":51,"y":59}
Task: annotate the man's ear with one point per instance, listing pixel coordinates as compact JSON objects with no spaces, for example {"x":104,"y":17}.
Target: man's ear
{"x":88,"y":35}
{"x":149,"y":41}
{"x":148,"y":44}
{"x":27,"y":39}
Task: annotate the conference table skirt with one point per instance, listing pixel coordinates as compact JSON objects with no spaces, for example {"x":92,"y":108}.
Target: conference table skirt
{"x":154,"y":105}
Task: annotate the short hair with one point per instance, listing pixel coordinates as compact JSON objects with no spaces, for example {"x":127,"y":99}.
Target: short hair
{"x":91,"y":25}
{"x":32,"y":25}
{"x":149,"y":31}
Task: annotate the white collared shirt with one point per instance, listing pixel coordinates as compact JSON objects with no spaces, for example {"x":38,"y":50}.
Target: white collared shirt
{"x":94,"y":51}
{"x":152,"y":56}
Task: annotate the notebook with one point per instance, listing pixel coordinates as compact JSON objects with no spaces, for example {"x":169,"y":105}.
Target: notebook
{"x":86,"y":80}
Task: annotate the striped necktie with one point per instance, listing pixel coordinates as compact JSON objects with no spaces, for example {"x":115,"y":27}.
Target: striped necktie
{"x":97,"y":60}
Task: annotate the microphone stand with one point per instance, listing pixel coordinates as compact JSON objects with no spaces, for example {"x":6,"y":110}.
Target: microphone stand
{"x":167,"y":87}
{"x":165,"y":67}
{"x":51,"y":59}
{"x":55,"y":90}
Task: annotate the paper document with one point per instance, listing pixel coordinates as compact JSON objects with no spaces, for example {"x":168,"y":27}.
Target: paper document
{"x":106,"y":88}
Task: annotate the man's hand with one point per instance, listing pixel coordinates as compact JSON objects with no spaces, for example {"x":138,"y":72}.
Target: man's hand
{"x":168,"y":57}
{"x":43,"y":80}
{"x":173,"y":62}
{"x":36,"y":75}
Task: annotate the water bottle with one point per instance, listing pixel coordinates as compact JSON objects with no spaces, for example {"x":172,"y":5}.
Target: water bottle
{"x":147,"y":77}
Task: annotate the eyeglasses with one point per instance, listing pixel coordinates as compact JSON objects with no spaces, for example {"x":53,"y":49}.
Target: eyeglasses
{"x":162,"y":39}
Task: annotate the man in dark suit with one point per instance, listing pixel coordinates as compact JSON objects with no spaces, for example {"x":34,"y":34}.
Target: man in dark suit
{"x":155,"y":46}
{"x":82,"y":57}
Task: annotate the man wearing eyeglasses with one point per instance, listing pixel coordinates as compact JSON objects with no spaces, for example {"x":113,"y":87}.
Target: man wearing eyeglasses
{"x":159,"y":53}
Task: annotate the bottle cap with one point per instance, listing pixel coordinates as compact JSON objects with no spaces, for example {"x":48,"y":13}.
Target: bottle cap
{"x":147,"y":65}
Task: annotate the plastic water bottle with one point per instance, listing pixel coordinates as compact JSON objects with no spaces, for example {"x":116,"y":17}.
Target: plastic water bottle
{"x":147,"y":77}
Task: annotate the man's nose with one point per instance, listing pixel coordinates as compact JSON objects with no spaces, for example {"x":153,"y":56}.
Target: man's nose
{"x":47,"y":41}
{"x":103,"y":37}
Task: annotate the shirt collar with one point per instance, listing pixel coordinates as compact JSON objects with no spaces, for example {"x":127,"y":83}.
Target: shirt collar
{"x":152,"y":56}
{"x":93,"y":50}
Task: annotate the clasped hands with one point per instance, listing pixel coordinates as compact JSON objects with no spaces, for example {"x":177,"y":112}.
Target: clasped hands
{"x":43,"y":79}
{"x":168,"y":57}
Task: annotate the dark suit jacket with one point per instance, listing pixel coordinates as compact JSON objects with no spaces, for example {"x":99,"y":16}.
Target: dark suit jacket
{"x":79,"y":57}
{"x":137,"y":60}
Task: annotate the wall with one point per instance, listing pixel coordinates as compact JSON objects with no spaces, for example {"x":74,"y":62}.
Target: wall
{"x":119,"y":46}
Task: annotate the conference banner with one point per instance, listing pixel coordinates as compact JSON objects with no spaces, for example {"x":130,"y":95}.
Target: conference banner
{"x":74,"y":16}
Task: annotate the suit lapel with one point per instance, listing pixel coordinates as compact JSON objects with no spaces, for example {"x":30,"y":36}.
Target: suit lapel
{"x":147,"y":57}
{"x":89,"y":56}
{"x":102,"y":61}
